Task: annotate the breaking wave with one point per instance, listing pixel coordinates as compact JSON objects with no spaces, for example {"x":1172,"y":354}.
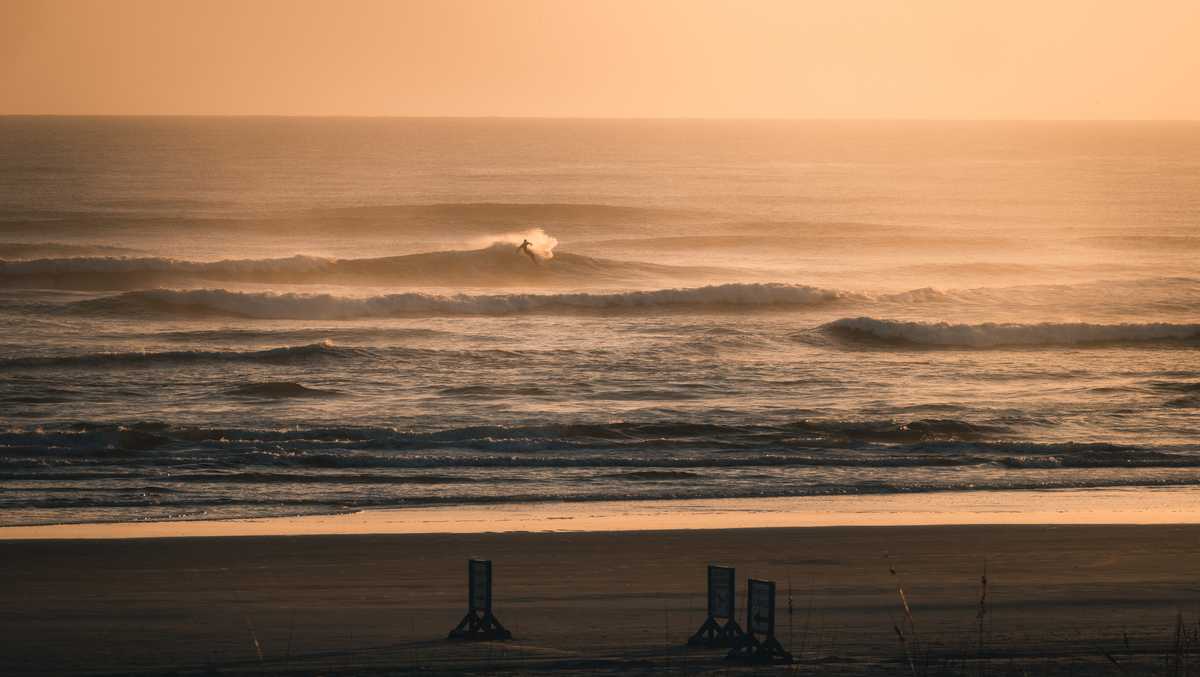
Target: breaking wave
{"x":991,"y":335}
{"x":267,"y":305}
{"x":162,"y":471}
{"x":498,"y":265}
{"x":1139,"y":295}
{"x":665,"y":445}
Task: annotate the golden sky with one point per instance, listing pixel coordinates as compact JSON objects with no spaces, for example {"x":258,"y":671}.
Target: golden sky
{"x":1044,"y":59}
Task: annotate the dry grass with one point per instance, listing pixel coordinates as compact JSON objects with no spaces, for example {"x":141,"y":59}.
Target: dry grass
{"x":1177,"y":657}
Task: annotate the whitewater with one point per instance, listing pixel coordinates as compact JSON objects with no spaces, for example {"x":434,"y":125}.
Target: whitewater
{"x":707,"y":310}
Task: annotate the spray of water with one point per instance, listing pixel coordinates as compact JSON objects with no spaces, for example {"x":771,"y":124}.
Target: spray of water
{"x":541,"y":243}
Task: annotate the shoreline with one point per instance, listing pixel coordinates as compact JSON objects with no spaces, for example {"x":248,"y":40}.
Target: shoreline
{"x":1109,"y":506}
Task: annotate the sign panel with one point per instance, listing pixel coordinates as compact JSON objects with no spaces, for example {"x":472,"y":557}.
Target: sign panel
{"x":480,"y":576}
{"x":760,"y":607}
{"x":720,"y":591}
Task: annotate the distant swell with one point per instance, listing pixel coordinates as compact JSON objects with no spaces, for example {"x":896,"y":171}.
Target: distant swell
{"x":41,"y":250}
{"x":219,"y":302}
{"x":281,"y":390}
{"x":989,"y":335}
{"x":285,"y":355}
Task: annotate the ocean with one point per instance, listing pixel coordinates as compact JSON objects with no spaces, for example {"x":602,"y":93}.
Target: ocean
{"x":212,"y":318}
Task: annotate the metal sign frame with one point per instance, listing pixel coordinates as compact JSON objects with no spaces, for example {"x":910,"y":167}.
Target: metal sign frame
{"x":722,"y":587}
{"x":722,"y":603}
{"x":759,"y":621}
{"x":479,"y":585}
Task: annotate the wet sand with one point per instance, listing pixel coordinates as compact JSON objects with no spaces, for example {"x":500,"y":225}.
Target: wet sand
{"x":1140,"y":505}
{"x":1059,"y":599}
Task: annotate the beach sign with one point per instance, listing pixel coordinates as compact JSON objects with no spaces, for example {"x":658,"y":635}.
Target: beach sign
{"x":479,"y":583}
{"x":760,"y":622}
{"x":479,"y":623}
{"x":760,"y":607}
{"x":721,"y":591}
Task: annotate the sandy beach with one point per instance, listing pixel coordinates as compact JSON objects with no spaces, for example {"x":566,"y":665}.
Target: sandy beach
{"x":1061,"y":599}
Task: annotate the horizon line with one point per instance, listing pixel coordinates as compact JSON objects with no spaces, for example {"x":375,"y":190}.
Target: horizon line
{"x":581,"y":118}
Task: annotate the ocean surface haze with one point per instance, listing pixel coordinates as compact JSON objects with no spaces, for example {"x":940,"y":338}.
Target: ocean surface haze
{"x":239,"y":317}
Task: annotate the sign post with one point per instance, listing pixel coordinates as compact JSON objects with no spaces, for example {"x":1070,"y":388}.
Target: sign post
{"x":479,"y":623}
{"x":721,"y":590}
{"x":760,"y":620}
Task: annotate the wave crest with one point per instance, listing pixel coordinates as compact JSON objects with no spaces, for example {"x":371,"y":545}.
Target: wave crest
{"x":541,"y":243}
{"x":277,"y":390}
{"x":267,"y":305}
{"x":992,"y":335}
{"x":498,"y":264}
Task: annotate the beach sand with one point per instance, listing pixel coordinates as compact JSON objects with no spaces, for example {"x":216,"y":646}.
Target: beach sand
{"x":1062,"y":599}
{"x":1128,"y":505}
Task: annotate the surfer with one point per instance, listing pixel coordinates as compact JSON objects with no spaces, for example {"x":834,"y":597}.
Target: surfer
{"x":526,"y":246}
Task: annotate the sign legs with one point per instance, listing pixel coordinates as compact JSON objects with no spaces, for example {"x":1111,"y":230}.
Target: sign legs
{"x":479,"y":623}
{"x":713,"y":634}
{"x":760,"y":620}
{"x":479,"y":627}
{"x":751,"y":650}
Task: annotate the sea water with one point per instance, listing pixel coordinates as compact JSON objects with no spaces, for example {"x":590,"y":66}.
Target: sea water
{"x":222,"y":317}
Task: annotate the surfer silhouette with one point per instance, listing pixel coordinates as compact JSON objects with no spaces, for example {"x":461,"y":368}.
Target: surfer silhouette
{"x":526,"y":246}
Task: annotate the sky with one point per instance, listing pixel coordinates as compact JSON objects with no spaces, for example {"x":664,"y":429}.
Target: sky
{"x":928,"y":59}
